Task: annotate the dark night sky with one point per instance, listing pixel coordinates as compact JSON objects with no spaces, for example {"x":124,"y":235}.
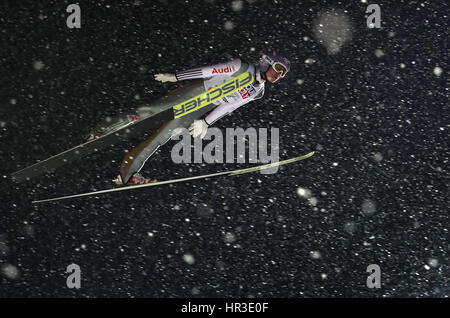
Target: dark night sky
{"x":378,"y":181}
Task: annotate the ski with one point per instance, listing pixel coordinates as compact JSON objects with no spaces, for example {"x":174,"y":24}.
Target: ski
{"x":134,"y":127}
{"x":227,"y":173}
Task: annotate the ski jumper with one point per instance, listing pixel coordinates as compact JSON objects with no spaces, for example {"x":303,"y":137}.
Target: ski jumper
{"x":200,"y":79}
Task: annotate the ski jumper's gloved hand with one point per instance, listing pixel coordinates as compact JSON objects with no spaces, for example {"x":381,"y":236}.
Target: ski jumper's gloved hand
{"x":198,"y":128}
{"x":166,"y":77}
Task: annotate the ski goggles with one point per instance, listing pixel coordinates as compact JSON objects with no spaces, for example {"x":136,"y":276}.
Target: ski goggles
{"x":280,"y":68}
{"x":277,"y":66}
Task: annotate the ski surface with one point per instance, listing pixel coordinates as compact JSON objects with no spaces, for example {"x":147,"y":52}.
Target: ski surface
{"x":133,"y":128}
{"x":227,"y":173}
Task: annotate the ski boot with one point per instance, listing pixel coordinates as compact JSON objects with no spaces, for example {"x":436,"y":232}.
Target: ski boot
{"x":136,"y":179}
{"x":93,"y":137}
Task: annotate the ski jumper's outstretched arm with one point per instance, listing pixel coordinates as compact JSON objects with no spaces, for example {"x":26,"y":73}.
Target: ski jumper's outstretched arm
{"x":227,"y":68}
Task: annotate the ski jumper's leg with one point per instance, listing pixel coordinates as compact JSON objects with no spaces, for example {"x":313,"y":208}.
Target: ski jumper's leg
{"x":135,"y":159}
